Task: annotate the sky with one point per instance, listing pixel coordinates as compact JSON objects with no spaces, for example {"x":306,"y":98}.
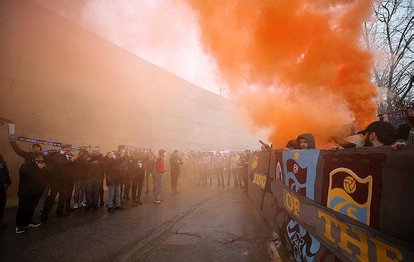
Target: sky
{"x":164,"y":33}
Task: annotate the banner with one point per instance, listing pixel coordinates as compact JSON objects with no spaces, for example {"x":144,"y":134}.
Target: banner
{"x":349,"y":205}
{"x":132,"y":148}
{"x":396,"y":118}
{"x":36,"y":141}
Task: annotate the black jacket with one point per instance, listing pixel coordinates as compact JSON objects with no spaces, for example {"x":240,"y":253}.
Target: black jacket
{"x":113,"y":171}
{"x":4,"y":173}
{"x":96,"y":169}
{"x":63,"y":167}
{"x":136,"y":167}
{"x":81,"y":169}
{"x":33,"y":180}
{"x":175,"y":163}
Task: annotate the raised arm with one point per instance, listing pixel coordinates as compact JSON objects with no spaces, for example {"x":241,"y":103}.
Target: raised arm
{"x":18,"y":150}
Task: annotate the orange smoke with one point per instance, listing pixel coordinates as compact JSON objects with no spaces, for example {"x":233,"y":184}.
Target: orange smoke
{"x":297,"y":65}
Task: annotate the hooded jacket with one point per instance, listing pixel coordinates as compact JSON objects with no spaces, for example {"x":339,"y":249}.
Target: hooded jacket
{"x":309,"y":138}
{"x":81,"y":169}
{"x":33,"y":180}
{"x":63,"y":167}
{"x":113,"y":171}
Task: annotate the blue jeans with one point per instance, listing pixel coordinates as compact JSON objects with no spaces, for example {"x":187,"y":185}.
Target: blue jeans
{"x":157,"y":184}
{"x":114,"y":191}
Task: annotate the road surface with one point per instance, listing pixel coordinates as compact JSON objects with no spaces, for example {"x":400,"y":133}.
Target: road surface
{"x":201,"y":223}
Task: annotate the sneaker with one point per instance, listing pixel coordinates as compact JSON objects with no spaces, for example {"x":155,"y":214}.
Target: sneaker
{"x":83,"y":204}
{"x":33,"y":225}
{"x":75,"y":206}
{"x":111,"y":210}
{"x":157,"y":201}
{"x":20,"y":230}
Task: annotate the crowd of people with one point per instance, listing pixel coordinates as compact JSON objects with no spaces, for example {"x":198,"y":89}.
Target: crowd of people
{"x":77,"y":181}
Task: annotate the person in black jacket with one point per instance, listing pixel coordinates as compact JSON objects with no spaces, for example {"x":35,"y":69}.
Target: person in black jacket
{"x":94,"y":181}
{"x":137,"y":169}
{"x":28,"y":156}
{"x":113,"y":174}
{"x":127,"y":173}
{"x":5,"y":182}
{"x":82,"y":167}
{"x":32,"y":183}
{"x":149,"y":163}
{"x":61,"y":183}
{"x":243,"y":167}
{"x":175,"y":167}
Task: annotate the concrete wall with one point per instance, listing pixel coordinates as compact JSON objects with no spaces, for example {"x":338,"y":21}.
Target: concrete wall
{"x":61,"y":82}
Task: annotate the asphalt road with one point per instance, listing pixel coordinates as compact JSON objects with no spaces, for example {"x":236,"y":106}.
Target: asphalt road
{"x":202,"y":223}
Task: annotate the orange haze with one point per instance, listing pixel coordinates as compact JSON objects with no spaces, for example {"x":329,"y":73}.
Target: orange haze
{"x":297,"y":65}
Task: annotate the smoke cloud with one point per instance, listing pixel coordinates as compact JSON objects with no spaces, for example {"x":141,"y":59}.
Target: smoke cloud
{"x":297,"y":66}
{"x":161,"y":32}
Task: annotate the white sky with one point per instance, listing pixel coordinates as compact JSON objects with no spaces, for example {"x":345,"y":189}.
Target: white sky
{"x":163,"y":32}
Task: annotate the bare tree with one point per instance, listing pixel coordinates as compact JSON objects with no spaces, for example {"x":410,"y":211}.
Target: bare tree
{"x":390,"y":35}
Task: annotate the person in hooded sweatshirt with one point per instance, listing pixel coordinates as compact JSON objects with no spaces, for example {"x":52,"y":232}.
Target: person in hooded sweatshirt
{"x":32,"y":183}
{"x":306,"y":141}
